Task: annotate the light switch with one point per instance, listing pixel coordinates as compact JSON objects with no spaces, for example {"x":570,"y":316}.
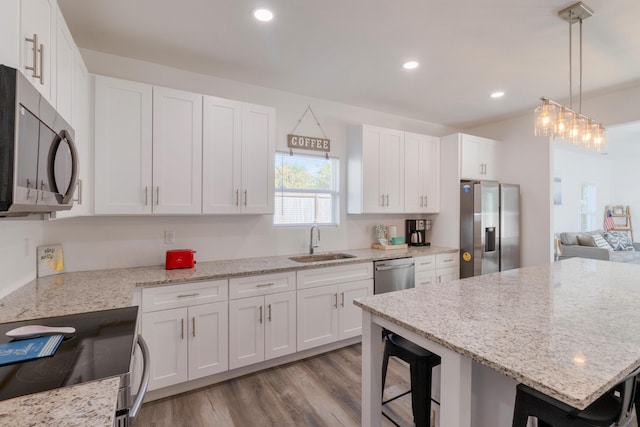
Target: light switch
{"x":169,"y":237}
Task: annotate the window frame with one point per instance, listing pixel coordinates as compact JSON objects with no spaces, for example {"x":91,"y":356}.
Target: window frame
{"x":334,"y":192}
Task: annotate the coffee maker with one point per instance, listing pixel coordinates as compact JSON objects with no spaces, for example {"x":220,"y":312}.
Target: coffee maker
{"x":416,"y":231}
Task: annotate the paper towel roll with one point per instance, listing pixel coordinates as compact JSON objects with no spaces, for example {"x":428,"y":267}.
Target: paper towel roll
{"x":392,"y":231}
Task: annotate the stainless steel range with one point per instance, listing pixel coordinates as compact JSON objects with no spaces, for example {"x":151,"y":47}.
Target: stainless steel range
{"x":102,"y":347}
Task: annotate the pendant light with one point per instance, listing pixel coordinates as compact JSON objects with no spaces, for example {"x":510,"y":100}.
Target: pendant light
{"x":558,"y":121}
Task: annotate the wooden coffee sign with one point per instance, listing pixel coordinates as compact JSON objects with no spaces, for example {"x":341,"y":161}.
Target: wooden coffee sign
{"x":308,"y":143}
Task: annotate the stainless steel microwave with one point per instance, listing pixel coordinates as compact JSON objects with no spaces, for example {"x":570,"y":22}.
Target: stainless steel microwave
{"x":38,"y":159}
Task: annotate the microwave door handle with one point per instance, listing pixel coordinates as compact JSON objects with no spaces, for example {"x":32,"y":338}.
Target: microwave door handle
{"x":146,"y":374}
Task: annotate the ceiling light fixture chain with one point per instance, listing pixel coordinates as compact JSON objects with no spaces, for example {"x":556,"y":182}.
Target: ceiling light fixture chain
{"x":557,"y":121}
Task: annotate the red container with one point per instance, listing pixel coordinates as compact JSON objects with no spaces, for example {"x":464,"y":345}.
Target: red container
{"x":180,"y":258}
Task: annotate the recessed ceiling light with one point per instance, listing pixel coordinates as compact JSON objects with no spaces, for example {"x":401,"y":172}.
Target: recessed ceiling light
{"x":410,"y":65}
{"x":497,"y":94}
{"x":264,"y":15}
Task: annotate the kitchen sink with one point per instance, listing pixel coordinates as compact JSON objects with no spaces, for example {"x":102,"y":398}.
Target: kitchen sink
{"x":321,"y":257}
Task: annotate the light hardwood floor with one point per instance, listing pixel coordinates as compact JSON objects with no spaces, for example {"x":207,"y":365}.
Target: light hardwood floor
{"x":319,"y":391}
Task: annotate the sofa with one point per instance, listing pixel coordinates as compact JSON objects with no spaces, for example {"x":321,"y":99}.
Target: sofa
{"x":599,"y":244}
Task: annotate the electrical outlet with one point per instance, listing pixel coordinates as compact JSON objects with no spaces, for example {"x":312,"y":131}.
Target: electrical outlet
{"x":169,"y":237}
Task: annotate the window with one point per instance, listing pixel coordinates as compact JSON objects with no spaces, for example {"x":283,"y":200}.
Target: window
{"x":306,"y":190}
{"x":588,"y":208}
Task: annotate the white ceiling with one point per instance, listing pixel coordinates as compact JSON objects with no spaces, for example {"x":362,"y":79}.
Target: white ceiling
{"x":351,"y":51}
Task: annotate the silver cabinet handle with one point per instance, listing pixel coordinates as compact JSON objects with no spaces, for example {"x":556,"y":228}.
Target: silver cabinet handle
{"x":146,"y":195}
{"x":79,"y":187}
{"x":28,"y":188}
{"x":188,"y":295}
{"x":193,"y":323}
{"x":158,"y":196}
{"x":41,"y":50}
{"x":447,"y":260}
{"x":336,"y":299}
{"x":260,"y":318}
{"x":264,"y":285}
{"x":245,"y":197}
{"x":34,"y":67}
{"x":387,"y":200}
{"x":269,"y":312}
{"x":146,"y":373}
{"x":342,"y":299}
{"x":42,"y":190}
{"x":237,"y":199}
{"x":182,"y":328}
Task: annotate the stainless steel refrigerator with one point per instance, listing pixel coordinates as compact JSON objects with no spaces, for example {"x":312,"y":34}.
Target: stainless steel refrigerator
{"x":489,"y":227}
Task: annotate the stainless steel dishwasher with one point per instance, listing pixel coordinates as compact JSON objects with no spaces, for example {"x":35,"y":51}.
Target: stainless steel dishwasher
{"x":393,"y":275}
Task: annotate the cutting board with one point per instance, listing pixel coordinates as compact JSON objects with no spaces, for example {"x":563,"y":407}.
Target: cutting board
{"x":388,"y":247}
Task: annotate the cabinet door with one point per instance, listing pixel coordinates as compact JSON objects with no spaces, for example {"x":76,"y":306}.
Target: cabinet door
{"x":221,"y":152}
{"x":64,"y":64}
{"x":122,"y":147}
{"x":317,"y":316}
{"x":83,"y":201}
{"x":350,"y":321}
{"x":424,"y":278}
{"x":208,"y":339}
{"x":38,"y":17}
{"x":392,"y":167}
{"x":421,"y":173}
{"x":258,"y":151}
{"x":373,"y":197}
{"x":177,"y":152}
{"x":166,"y":334}
{"x":445,"y":275}
{"x":280,"y":325}
{"x":471,"y":165}
{"x":246,"y":331}
{"x":489,"y":152}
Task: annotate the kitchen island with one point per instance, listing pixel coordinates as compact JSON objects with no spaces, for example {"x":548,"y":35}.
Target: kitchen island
{"x":561,"y":328}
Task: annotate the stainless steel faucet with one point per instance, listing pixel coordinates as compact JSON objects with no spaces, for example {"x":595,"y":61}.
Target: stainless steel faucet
{"x":311,"y":245}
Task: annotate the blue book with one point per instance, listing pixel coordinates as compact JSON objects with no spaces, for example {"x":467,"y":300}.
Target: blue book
{"x":29,"y":349}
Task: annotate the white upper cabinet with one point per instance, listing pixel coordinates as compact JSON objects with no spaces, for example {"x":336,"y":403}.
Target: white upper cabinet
{"x":177,"y":152}
{"x":221,"y":152}
{"x":258,"y":151}
{"x":375,"y":170}
{"x":37,"y":44}
{"x":238,"y":157}
{"x":478,"y":158}
{"x":421,"y":173}
{"x":123,"y":147}
{"x":64,"y":77}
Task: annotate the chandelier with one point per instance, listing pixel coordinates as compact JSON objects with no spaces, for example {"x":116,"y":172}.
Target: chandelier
{"x":557,"y":121}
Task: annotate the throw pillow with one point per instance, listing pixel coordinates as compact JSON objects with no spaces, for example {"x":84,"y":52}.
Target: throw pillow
{"x":601,"y":243}
{"x":619,"y":241}
{"x":586,"y":241}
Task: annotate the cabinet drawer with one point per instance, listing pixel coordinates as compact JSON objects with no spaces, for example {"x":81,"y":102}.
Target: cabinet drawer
{"x":447,"y":260}
{"x":424,"y":278}
{"x":332,"y":275}
{"x":425,"y":263}
{"x":184,"y":295}
{"x":243,"y":287}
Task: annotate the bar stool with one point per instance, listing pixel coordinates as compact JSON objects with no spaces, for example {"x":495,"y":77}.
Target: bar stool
{"x":613,"y":408}
{"x":421,"y":363}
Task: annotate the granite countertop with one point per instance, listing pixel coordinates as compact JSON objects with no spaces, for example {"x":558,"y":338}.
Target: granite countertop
{"x":89,"y":404}
{"x":561,"y":328}
{"x":70,"y":293}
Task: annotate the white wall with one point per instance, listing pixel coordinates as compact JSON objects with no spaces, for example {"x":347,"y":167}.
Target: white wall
{"x":525,"y":160}
{"x":575,"y":169}
{"x":110,"y":242}
{"x":18,"y":241}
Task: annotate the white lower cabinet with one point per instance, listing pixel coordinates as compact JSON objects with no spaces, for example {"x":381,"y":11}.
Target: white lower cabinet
{"x":326,"y":313}
{"x":262,"y":327}
{"x":189,"y":341}
{"x":438,"y":268}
